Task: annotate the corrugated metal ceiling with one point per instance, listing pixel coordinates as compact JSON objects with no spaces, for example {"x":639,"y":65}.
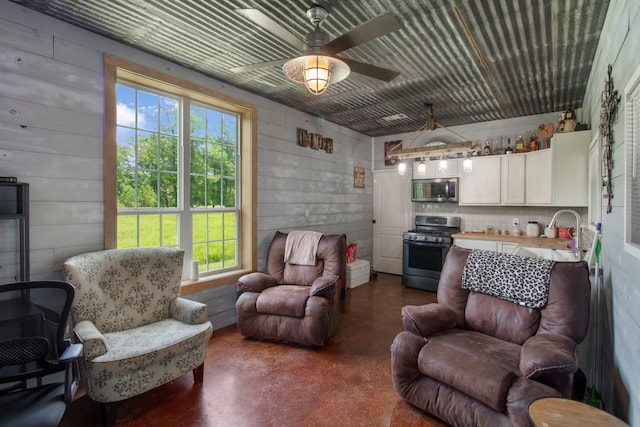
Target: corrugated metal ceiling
{"x":473,"y":60}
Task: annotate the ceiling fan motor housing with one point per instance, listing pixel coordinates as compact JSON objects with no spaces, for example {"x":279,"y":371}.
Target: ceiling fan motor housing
{"x":317,"y":14}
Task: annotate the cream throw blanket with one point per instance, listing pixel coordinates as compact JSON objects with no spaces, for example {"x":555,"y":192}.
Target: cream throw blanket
{"x":301,"y":247}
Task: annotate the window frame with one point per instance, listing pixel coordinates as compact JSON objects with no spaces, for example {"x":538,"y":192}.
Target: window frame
{"x":632,"y":150}
{"x":117,"y":68}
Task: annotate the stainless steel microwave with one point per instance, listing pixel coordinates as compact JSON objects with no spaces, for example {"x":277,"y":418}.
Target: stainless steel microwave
{"x":435,"y":190}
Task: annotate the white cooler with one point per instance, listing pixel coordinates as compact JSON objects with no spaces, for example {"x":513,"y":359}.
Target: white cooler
{"x":357,"y":273}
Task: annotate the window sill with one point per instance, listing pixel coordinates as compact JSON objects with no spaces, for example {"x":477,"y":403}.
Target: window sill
{"x":207,"y":282}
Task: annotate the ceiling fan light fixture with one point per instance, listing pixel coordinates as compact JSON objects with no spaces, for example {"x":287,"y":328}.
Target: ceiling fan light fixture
{"x":316,"y":71}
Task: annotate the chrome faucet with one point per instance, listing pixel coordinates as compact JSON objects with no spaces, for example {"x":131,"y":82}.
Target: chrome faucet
{"x":577,"y":233}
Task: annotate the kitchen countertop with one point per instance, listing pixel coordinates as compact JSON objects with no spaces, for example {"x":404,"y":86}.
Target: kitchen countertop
{"x":522,"y":241}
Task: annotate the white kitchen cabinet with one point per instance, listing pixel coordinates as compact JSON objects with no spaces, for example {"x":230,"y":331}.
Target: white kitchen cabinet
{"x":538,"y":178}
{"x":571,"y":168}
{"x":558,"y":176}
{"x":432,"y":169}
{"x":506,"y":248}
{"x":487,"y":245}
{"x":481,"y":185}
{"x":513,"y":179}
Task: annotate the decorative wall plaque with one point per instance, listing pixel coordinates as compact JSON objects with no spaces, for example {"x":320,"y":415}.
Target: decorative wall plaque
{"x":314,"y":140}
{"x":358,"y":177}
{"x":388,"y":147}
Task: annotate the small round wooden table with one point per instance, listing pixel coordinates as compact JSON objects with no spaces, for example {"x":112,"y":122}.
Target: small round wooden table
{"x":556,"y":412}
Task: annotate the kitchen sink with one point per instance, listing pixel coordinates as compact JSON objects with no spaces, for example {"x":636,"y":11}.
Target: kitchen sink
{"x":545,"y":253}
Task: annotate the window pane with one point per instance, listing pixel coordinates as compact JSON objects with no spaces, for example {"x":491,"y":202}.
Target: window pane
{"x":213,"y":159}
{"x":126,"y":168}
{"x":147,"y":189}
{"x":147,"y":150}
{"x":198,"y":156}
{"x":169,"y":230}
{"x":200,"y":255}
{"x":149,"y":230}
{"x":168,"y":190}
{"x":214,"y":125}
{"x":215,"y":256}
{"x":229,"y":187}
{"x":229,"y":161}
{"x":169,"y":116}
{"x":229,"y":254}
{"x":147,"y":111}
{"x":197,"y":192}
{"x":169,"y":153}
{"x":213,"y":192}
{"x":230,"y":130}
{"x":199,"y":224}
{"x":198,"y":122}
{"x":127,"y":231}
{"x":215,"y":226}
{"x":230,"y":225}
{"x":126,"y":106}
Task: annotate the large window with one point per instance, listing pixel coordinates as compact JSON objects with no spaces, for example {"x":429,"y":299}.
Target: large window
{"x":181,"y":171}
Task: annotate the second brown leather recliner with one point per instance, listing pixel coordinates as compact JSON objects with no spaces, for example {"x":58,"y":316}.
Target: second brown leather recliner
{"x":294,"y":303}
{"x":473,"y":359}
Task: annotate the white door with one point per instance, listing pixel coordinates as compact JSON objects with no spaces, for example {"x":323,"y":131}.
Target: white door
{"x":391,"y":218}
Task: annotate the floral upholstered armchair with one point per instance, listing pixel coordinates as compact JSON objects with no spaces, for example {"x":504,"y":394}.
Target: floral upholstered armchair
{"x":137,"y":333}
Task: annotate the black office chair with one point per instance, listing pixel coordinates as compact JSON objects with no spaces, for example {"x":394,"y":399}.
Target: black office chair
{"x":37,"y":376}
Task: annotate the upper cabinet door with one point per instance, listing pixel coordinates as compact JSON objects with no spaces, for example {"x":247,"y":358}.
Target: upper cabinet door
{"x":481,"y":185}
{"x":436,"y":169}
{"x":571,"y":168}
{"x":513,"y":174}
{"x":539,"y":177}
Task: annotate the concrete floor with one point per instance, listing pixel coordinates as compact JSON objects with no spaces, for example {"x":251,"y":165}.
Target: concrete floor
{"x":253,"y":383}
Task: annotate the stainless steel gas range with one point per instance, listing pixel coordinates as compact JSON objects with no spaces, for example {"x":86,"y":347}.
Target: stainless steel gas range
{"x":425,"y":248}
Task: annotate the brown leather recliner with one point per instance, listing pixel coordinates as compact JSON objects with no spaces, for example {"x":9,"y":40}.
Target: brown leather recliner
{"x":294,"y":303}
{"x":472,"y":359}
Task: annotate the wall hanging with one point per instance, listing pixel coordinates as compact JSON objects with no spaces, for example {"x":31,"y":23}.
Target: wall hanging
{"x":610,"y":100}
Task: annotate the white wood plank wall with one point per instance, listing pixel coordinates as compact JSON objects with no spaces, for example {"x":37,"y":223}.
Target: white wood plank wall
{"x":51,"y":127}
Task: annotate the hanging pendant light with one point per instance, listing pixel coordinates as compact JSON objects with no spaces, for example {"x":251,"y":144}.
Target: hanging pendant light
{"x":467,"y":164}
{"x":443,"y":165}
{"x":402,"y":168}
{"x":422,"y":167}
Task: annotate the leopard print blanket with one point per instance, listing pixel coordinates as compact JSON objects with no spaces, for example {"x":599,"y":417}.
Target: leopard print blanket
{"x":519,"y":279}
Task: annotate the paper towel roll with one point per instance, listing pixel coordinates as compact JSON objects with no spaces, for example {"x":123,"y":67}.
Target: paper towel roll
{"x":195,"y":274}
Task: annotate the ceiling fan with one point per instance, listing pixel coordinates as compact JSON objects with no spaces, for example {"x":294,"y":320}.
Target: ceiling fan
{"x":318,"y":66}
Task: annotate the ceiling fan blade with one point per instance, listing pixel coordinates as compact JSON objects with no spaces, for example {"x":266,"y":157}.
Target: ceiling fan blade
{"x":373,"y":28}
{"x":259,"y":65}
{"x":379,"y":73}
{"x":272,"y":26}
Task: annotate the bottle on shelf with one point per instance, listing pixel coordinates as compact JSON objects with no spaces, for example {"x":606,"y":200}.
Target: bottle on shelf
{"x":508,"y":150}
{"x":520,"y":145}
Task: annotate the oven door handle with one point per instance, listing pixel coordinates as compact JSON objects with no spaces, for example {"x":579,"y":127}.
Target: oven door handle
{"x":427,"y":244}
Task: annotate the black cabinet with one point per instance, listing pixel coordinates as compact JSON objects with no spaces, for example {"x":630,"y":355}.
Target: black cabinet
{"x":14,"y":205}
